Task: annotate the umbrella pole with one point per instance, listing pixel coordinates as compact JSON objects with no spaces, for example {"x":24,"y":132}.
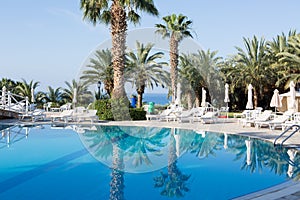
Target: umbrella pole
{"x":226,"y":110}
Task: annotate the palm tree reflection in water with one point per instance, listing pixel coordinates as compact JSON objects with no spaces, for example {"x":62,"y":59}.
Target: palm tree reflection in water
{"x":136,"y":145}
{"x":117,"y":175}
{"x":142,"y":149}
{"x":173,"y":182}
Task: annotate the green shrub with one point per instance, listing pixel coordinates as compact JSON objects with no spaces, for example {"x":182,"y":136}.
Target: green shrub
{"x":103,"y":107}
{"x":137,"y":114}
{"x":117,"y":110}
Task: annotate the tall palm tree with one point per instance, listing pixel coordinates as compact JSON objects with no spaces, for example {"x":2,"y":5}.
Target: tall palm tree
{"x":117,"y":13}
{"x":77,"y":90}
{"x":176,"y":28}
{"x":100,"y":69}
{"x":143,"y":70}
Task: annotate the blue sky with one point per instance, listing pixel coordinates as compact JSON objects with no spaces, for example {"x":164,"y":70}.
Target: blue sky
{"x":47,"y":41}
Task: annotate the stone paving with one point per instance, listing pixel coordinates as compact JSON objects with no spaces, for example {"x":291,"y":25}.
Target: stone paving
{"x":286,"y":191}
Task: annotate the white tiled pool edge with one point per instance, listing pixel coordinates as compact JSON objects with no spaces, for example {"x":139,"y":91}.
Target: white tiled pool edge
{"x":276,"y":192}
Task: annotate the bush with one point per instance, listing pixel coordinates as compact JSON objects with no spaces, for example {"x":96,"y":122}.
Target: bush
{"x":104,"y":109}
{"x":119,"y":111}
{"x":137,"y":114}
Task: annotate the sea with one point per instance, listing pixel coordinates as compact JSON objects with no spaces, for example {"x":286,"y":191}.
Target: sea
{"x":157,"y":98}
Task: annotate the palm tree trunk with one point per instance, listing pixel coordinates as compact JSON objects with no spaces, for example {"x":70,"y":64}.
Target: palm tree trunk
{"x":118,"y":34}
{"x":117,"y":175}
{"x":140,"y":92}
{"x":109,"y":86}
{"x":173,"y":65}
{"x":255,"y":98}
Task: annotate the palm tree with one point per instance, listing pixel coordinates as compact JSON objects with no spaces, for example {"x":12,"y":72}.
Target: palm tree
{"x":100,"y":69}
{"x":176,"y":28}
{"x":116,"y":13}
{"x":9,"y":84}
{"x":276,"y":50}
{"x":191,"y":80}
{"x":207,"y":64}
{"x":77,"y":90}
{"x":24,"y":88}
{"x":292,"y":58}
{"x":252,"y":67}
{"x":54,"y":96}
{"x":144,"y":71}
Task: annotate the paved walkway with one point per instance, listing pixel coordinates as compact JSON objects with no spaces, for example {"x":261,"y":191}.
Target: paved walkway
{"x":286,"y":191}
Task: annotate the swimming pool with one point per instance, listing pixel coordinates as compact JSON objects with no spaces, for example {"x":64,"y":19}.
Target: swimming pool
{"x":119,"y":162}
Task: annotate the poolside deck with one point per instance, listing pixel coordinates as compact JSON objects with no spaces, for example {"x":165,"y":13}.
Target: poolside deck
{"x":286,"y":191}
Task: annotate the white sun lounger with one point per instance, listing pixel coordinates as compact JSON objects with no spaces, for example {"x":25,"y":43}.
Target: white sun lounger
{"x":263,"y":117}
{"x":88,"y":115}
{"x":295,"y":121}
{"x":35,"y":115}
{"x":161,"y":116}
{"x":209,"y":117}
{"x":187,"y":115}
{"x":65,"y":115}
{"x":272,"y":124}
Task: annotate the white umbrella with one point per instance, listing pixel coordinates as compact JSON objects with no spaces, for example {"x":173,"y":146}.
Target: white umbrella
{"x":203,"y":102}
{"x":32,"y":96}
{"x":248,"y":145}
{"x":74,"y":100}
{"x":226,"y":99}
{"x":276,"y":101}
{"x":249,"y":102}
{"x":292,"y":101}
{"x":3,"y":95}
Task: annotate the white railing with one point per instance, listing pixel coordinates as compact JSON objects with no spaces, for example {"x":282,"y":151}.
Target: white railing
{"x":13,"y":102}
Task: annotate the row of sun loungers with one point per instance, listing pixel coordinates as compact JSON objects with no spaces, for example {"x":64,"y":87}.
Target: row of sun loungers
{"x":200,"y":114}
{"x":35,"y":115}
{"x":271,"y":120}
{"x":77,"y":115}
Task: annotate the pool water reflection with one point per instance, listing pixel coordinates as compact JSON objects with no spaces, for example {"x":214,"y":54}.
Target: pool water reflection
{"x":119,"y":162}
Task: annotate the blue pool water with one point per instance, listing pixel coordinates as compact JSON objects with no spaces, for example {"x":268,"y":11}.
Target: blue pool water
{"x":113,"y":162}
